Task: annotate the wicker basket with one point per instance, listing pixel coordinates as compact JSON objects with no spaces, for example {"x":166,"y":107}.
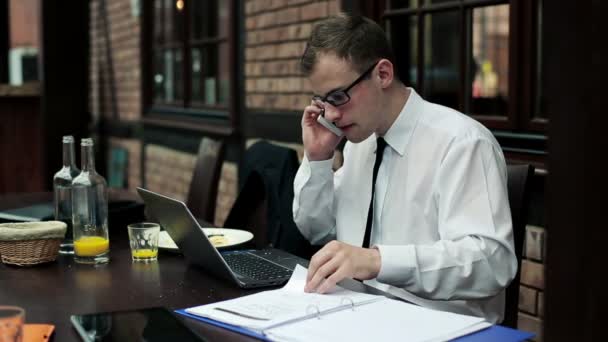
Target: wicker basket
{"x":30,"y":243}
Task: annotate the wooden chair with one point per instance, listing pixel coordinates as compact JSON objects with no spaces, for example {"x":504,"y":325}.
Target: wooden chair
{"x":202,"y":194}
{"x":264,"y":202}
{"x":250,"y":211}
{"x":518,"y":184}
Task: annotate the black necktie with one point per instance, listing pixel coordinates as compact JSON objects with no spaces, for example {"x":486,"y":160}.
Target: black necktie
{"x":381,"y":144}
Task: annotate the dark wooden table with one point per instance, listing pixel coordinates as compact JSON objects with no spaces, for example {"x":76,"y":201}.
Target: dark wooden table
{"x":51,"y":292}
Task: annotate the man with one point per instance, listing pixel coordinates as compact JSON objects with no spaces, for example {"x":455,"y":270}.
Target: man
{"x":435,"y":227}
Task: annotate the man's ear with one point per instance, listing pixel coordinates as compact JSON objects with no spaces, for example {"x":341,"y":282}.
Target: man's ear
{"x":385,"y":72}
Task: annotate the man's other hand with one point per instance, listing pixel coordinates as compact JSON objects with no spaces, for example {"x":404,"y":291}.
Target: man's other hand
{"x":339,"y":260}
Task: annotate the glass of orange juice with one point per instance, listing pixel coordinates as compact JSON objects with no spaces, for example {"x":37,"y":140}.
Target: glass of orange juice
{"x":92,"y":250}
{"x":143,"y":239}
{"x":91,"y":246}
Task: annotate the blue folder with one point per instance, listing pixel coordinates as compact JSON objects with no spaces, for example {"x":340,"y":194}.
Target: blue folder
{"x":234,"y":328}
{"x":495,"y":333}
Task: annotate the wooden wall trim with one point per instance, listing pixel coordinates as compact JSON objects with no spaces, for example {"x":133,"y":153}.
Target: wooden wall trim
{"x":119,"y":129}
{"x":281,"y":126}
{"x":196,"y":125}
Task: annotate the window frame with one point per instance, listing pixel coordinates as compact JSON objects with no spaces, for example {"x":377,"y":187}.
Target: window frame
{"x":521,"y":115}
{"x":219,"y":120}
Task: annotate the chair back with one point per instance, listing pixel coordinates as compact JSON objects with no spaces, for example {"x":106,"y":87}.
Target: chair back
{"x":518,"y":185}
{"x":250,"y":211}
{"x":202,"y":194}
{"x":264,"y":202}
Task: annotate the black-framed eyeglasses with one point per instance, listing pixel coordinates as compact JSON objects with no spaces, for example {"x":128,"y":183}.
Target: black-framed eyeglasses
{"x":340,"y":97}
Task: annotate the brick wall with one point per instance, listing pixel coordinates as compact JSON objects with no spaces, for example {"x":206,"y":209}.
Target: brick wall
{"x":114,"y":88}
{"x":169,"y":172}
{"x":532,"y":283}
{"x":24,"y":18}
{"x":276,"y":33}
{"x":114,"y":46}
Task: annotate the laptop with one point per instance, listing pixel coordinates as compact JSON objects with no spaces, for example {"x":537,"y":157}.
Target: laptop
{"x":246,"y":268}
{"x":32,"y":213}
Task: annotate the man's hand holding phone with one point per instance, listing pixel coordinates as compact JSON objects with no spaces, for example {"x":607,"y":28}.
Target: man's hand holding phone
{"x":329,"y":125}
{"x":319,"y":139}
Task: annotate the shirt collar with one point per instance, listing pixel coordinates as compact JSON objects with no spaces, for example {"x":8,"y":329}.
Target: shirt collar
{"x":400,"y":132}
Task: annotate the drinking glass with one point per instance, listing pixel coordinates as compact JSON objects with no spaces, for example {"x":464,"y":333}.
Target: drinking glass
{"x":143,"y":239}
{"x":11,"y":323}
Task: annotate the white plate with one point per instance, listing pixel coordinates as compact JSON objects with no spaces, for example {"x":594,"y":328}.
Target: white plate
{"x":220,"y":238}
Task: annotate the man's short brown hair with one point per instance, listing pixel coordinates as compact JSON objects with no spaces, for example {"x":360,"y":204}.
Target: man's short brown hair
{"x":354,"y":38}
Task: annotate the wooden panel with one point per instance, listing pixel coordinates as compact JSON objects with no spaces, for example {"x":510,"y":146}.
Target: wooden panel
{"x":21,"y":169}
{"x":4,"y":41}
{"x":576,"y":297}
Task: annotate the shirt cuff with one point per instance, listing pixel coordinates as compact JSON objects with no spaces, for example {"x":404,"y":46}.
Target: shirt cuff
{"x":320,"y":167}
{"x":398,"y":264}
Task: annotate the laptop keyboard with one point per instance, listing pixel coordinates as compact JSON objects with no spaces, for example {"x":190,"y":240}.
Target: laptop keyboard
{"x":254,"y":267}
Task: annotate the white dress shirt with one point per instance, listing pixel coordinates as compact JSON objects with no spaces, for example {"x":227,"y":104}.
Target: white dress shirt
{"x":442,"y":221}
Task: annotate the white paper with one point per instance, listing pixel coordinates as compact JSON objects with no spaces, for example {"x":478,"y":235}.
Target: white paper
{"x":386,"y":320}
{"x":271,"y":308}
{"x":290,"y":314}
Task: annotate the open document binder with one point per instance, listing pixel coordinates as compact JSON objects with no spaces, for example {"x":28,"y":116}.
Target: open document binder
{"x":289,"y":314}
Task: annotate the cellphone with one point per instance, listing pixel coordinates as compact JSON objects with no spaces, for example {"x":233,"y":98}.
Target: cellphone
{"x":329,"y":125}
{"x":150,"y":324}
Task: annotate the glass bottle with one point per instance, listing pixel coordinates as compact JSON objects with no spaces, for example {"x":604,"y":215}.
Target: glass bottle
{"x":62,"y":190}
{"x":90,"y":211}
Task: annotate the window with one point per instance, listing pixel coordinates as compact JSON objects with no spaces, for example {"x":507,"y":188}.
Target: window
{"x":191,"y":59}
{"x":479,"y":56}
